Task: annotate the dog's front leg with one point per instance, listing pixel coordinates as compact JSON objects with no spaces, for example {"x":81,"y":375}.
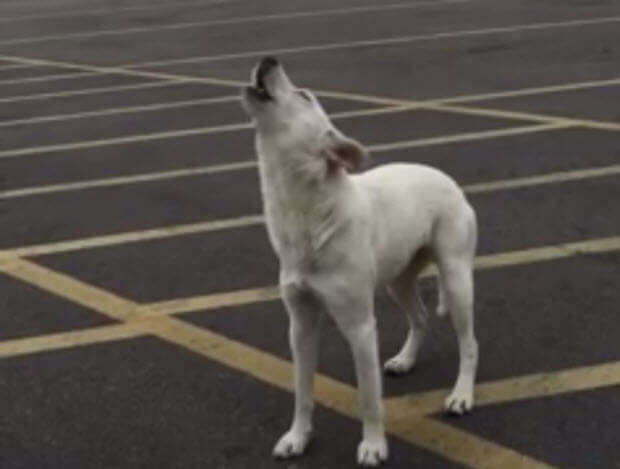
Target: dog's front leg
{"x":362,"y":336}
{"x":304,"y":316}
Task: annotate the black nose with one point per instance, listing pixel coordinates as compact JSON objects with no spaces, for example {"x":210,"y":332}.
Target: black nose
{"x":269,"y":62}
{"x":265,"y":66}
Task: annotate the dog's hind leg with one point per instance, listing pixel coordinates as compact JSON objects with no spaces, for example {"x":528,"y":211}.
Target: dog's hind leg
{"x":404,"y":291}
{"x":455,"y":252}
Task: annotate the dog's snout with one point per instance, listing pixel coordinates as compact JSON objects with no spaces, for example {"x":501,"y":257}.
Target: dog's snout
{"x":268,"y":63}
{"x":265,"y":66}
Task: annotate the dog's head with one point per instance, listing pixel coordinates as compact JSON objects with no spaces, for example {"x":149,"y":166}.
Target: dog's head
{"x":293,"y":120}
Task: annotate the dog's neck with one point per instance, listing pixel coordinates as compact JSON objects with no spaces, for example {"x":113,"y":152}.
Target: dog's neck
{"x":302,"y":199}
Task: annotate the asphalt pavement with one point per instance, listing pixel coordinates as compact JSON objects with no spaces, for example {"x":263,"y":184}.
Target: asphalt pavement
{"x":140,"y":326}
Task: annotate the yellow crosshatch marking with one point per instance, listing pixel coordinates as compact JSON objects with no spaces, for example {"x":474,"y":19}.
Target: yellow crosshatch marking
{"x":406,"y":415}
{"x":434,"y":104}
{"x":464,"y":448}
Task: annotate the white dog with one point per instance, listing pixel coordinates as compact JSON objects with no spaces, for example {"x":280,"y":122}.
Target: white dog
{"x":340,"y":236}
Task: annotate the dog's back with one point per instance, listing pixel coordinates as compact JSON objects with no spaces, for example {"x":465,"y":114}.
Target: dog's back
{"x":408,"y":205}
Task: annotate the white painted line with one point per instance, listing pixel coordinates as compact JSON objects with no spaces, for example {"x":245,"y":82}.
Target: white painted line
{"x":225,"y":21}
{"x":126,"y":139}
{"x":62,"y":76}
{"x":124,"y":180}
{"x":180,"y":104}
{"x":481,"y":187}
{"x":15,"y":66}
{"x":384,"y":41}
{"x":107,"y":11}
{"x":131,"y":237}
{"x":257,"y":219}
{"x":120,"y":110}
{"x":87,"y":91}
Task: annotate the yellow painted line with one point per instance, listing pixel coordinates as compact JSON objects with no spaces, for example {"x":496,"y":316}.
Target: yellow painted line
{"x":373,"y":111}
{"x":460,"y":446}
{"x":65,"y":340}
{"x":512,"y":115}
{"x":531,"y":386}
{"x":224,"y":21}
{"x":261,"y":365}
{"x":432,"y":105}
{"x":467,"y":137}
{"x":386,"y":41}
{"x":129,"y":139}
{"x":436,"y":104}
{"x":447,"y":105}
{"x":364,"y":98}
{"x":257,"y":219}
{"x":55,"y":77}
{"x":490,"y":261}
{"x":105,"y":11}
{"x":70,"y":288}
{"x":573,"y":86}
{"x":453,"y":444}
{"x":213,"y":301}
{"x":548,"y":253}
{"x":130,"y":237}
{"x":542,"y":179}
{"x":119,"y":110}
{"x":553,"y":383}
{"x":87,"y":91}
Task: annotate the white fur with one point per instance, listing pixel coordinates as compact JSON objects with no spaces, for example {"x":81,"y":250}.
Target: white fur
{"x":339,"y":237}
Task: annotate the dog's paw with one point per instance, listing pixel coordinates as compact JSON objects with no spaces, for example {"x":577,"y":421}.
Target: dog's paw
{"x":399,"y":365}
{"x":371,"y":453}
{"x":292,"y":444}
{"x":460,"y":402}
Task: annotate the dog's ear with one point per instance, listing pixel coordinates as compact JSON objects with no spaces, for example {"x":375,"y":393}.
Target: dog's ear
{"x":341,"y":150}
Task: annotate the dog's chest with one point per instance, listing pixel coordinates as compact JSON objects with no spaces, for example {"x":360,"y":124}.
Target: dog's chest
{"x":298,"y":236}
{"x":304,"y":231}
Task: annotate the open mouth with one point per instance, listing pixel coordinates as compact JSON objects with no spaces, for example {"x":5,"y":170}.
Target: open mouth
{"x":259,"y":89}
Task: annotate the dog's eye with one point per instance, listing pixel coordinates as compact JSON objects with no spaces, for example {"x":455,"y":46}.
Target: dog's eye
{"x":304,"y":95}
